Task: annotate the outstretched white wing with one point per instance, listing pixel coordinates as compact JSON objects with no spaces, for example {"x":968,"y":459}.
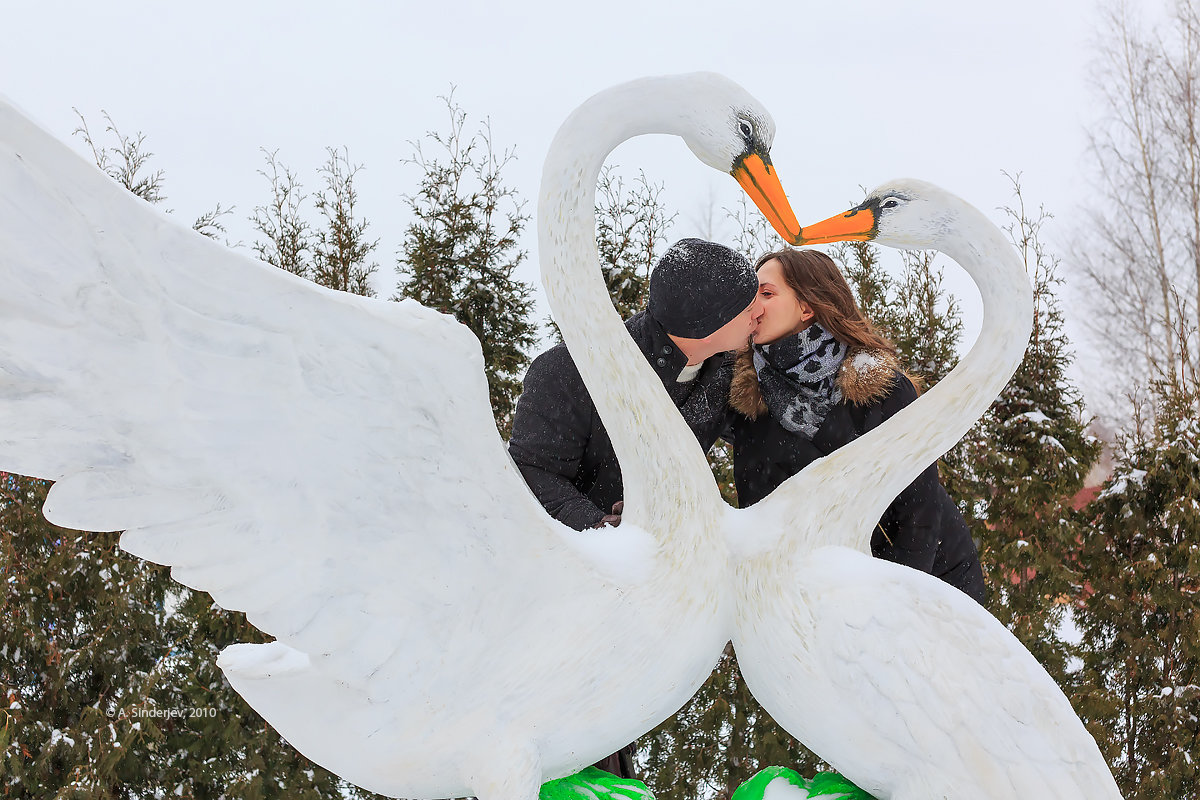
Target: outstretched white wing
{"x":326,"y":463}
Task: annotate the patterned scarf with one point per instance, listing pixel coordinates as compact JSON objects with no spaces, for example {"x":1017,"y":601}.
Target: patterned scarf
{"x":798,"y":378}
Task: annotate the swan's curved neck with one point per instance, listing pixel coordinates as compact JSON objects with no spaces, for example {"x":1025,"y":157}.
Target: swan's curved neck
{"x":664,"y":472}
{"x":963,"y":396}
{"x":924,"y":431}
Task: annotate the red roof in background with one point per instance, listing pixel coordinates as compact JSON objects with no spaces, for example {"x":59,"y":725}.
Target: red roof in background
{"x":1084,"y":496}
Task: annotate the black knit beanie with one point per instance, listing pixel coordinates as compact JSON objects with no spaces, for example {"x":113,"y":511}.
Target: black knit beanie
{"x":699,"y":286}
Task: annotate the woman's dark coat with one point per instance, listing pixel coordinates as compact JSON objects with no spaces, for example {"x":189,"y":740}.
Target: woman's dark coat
{"x":922,"y":528}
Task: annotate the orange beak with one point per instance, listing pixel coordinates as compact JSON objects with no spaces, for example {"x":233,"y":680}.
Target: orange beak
{"x":857,"y":225}
{"x":758,"y":178}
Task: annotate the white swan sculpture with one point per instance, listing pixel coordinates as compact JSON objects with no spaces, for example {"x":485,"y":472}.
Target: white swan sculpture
{"x":329,"y":464}
{"x":902,"y":683}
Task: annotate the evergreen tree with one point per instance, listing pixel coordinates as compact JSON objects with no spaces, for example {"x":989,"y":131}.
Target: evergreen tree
{"x":125,"y":161}
{"x":1139,"y":611}
{"x":333,"y":253}
{"x":341,"y":248}
{"x":460,"y":251}
{"x":631,"y":235}
{"x":872,"y":285}
{"x":914,"y":311}
{"x":925,"y":321}
{"x":209,"y":223}
{"x":287,"y":241}
{"x":80,"y":648}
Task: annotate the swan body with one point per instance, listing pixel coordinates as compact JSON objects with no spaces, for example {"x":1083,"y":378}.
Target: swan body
{"x":902,"y":683}
{"x":329,"y":465}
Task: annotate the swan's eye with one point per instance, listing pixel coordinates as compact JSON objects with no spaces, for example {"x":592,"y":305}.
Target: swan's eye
{"x":747,"y":128}
{"x":891,"y":202}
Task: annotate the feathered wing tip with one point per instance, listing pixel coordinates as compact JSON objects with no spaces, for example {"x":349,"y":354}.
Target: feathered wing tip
{"x":328,"y":721}
{"x":252,"y":661}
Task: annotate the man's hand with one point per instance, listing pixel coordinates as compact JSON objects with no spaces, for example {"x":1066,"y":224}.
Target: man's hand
{"x":613,"y":519}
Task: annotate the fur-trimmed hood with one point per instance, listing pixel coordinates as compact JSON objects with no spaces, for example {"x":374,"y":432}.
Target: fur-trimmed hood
{"x":866,"y":376}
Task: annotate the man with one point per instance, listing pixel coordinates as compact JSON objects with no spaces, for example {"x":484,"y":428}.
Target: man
{"x":703,"y":304}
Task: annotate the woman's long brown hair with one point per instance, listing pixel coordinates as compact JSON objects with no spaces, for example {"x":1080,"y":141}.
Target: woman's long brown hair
{"x":816,"y":280}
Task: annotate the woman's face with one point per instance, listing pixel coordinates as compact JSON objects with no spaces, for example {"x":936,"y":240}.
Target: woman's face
{"x":783,"y":312}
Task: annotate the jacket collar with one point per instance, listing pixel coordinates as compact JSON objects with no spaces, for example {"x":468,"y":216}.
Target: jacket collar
{"x":866,"y":377}
{"x":664,"y":355}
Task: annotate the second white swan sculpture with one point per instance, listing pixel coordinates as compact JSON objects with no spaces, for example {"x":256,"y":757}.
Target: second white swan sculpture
{"x":901,"y":682}
{"x":329,"y":464}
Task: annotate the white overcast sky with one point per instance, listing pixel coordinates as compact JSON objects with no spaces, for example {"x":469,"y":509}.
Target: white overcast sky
{"x":950,"y":91}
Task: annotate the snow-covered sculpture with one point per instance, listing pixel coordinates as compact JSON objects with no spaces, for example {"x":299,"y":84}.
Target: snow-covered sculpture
{"x":902,"y":683}
{"x":328,"y":464}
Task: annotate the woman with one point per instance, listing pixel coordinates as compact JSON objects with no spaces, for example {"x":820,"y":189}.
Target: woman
{"x":818,"y":376}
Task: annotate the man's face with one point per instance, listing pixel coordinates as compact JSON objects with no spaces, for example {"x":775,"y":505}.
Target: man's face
{"x":734,"y":334}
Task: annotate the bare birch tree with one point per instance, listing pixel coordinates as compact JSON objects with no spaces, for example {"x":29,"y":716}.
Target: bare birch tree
{"x":1140,"y":249}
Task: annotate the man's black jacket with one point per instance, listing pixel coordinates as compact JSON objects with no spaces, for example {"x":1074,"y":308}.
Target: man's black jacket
{"x":560,"y":445}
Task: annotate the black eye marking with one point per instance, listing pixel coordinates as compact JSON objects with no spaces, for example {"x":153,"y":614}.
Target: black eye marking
{"x":746,"y":128}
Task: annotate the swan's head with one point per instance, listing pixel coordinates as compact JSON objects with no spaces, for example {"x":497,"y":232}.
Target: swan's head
{"x":905,"y":213}
{"x":726,"y":128}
